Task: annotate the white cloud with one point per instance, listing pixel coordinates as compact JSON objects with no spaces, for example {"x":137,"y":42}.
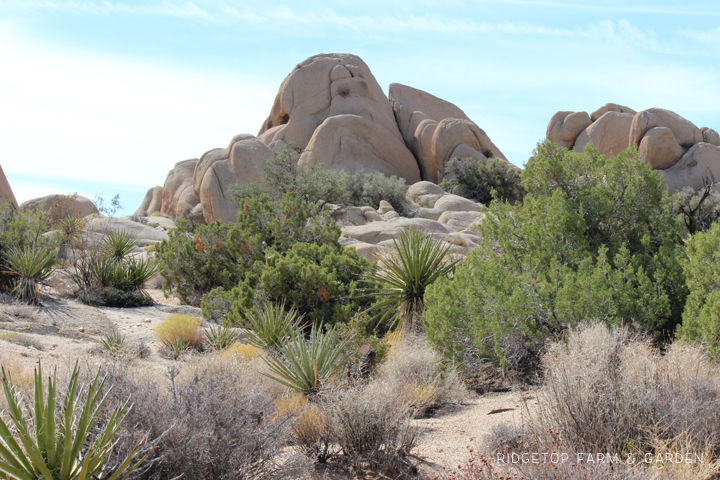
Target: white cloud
{"x":70,"y":115}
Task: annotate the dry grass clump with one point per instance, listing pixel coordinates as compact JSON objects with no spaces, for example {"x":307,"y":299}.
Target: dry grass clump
{"x":611,"y":392}
{"x":364,"y":429}
{"x":607,"y":389}
{"x":242,"y":352}
{"x":416,"y":375}
{"x":215,"y":420}
{"x":178,"y":333}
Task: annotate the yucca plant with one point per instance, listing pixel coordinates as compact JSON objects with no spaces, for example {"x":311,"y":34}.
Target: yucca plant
{"x":305,"y":365}
{"x":114,"y":343}
{"x":32,"y":264}
{"x":400,"y":281}
{"x":220,"y":337}
{"x":112,"y":273}
{"x":75,"y":448}
{"x":118,"y":244}
{"x":140,"y":271}
{"x":269,"y":325}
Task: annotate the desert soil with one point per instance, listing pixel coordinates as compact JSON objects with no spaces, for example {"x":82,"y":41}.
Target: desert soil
{"x":63,"y":331}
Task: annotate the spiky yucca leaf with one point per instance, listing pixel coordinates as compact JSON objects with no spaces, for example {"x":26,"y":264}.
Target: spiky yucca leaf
{"x":140,"y":271}
{"x":400,"y":281}
{"x":305,"y":365}
{"x":118,"y":244}
{"x":76,"y":448}
{"x":220,"y":337}
{"x":269,"y":325}
{"x":32,"y":264}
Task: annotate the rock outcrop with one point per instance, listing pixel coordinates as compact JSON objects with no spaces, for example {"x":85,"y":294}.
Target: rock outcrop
{"x":448,"y":217}
{"x":684,"y":154}
{"x":437,"y":131}
{"x":60,"y":206}
{"x":330,"y":112}
{"x":6,"y":193}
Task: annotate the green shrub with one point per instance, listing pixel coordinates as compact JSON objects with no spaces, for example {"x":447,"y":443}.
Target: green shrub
{"x":320,"y":281}
{"x":701,"y":318}
{"x":402,"y":277}
{"x":595,"y":238}
{"x":198,"y":259}
{"x":317,"y":185}
{"x":483,"y":181}
{"x":62,"y":441}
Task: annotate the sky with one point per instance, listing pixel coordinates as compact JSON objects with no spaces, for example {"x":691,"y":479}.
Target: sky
{"x":103,"y":98}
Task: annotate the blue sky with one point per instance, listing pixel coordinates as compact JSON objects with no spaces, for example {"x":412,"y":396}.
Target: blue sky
{"x":104,"y":97}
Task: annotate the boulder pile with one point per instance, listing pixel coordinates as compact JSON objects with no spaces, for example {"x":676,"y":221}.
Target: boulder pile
{"x":331,"y":112}
{"x":683,"y":154}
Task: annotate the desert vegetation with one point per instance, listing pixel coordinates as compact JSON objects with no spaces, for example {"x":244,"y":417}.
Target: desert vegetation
{"x":591,"y":287}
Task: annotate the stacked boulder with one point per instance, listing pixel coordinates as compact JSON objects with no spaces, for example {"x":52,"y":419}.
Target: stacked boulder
{"x":6,"y":193}
{"x":330,"y":112}
{"x":448,"y":217}
{"x":685,"y":155}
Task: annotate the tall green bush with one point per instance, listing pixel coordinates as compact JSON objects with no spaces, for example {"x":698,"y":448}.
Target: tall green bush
{"x":198,"y":259}
{"x":595,"y":238}
{"x":483,"y":180}
{"x":701,"y":318}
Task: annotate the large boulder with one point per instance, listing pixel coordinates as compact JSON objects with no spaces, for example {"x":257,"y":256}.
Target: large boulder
{"x":6,"y":193}
{"x":331,"y":108}
{"x":686,"y":133}
{"x":436,"y":131}
{"x":60,"y":206}
{"x":710,"y":136}
{"x":219,"y":169}
{"x":611,"y":107}
{"x":145,"y":235}
{"x":151,"y":203}
{"x":564,"y":127}
{"x":659,"y":148}
{"x":609,"y":133}
{"x":700,"y":163}
{"x":178,"y":194}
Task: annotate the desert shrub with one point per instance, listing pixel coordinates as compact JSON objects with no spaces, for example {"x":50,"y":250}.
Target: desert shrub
{"x":305,"y":365}
{"x":106,"y":274}
{"x":178,"y":333}
{"x":701,"y":318}
{"x":594,"y":238}
{"x":607,"y":390}
{"x":700,"y":208}
{"x":215,"y":421}
{"x":117,"y":346}
{"x":319,"y":281}
{"x":327,"y":188}
{"x":418,"y":377}
{"x":242,"y":352}
{"x":198,"y":259}
{"x":483,"y":181}
{"x":364,"y":429}
{"x":400,"y":281}
{"x":62,"y":440}
{"x":367,"y":342}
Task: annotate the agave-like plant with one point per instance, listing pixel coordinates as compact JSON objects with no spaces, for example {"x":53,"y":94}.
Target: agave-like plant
{"x":305,"y":365}
{"x":118,"y":244}
{"x":220,"y":337}
{"x":400,"y":281}
{"x":32,"y":264}
{"x":75,"y":448}
{"x":269,"y":325}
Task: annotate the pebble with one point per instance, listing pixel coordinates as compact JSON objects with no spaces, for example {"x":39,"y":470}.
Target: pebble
{"x":81,"y":329}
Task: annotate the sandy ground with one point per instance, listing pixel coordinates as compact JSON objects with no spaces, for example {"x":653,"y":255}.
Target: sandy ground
{"x":63,"y":331}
